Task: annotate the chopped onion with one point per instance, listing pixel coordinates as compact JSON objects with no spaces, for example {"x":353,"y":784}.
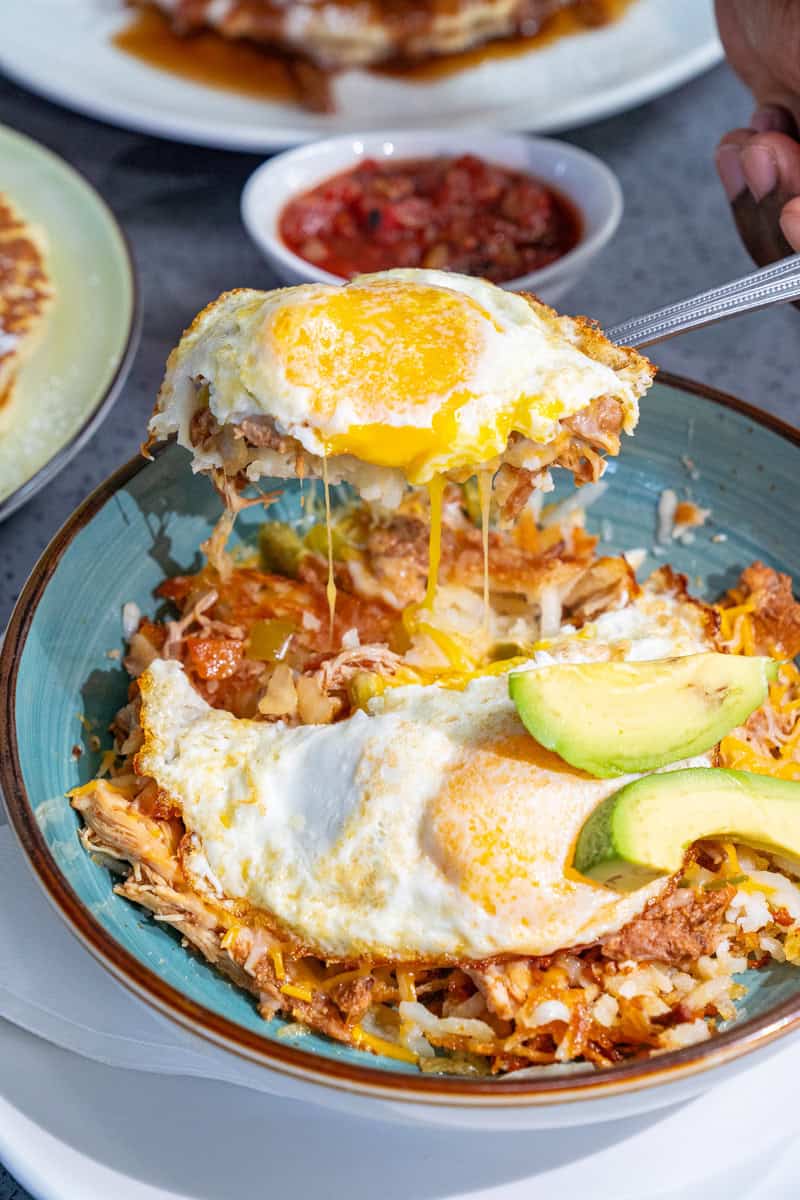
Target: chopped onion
{"x":667,"y":506}
{"x":131,"y":616}
{"x":550,"y":612}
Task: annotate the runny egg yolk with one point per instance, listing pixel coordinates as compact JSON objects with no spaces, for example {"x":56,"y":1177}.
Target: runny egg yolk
{"x":413,"y":612}
{"x":485,"y":494}
{"x":330,"y":588}
{"x":402,"y":361}
{"x":436,"y":492}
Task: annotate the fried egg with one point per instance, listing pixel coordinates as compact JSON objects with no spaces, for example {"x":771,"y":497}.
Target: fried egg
{"x":431,"y":827}
{"x":391,"y":379}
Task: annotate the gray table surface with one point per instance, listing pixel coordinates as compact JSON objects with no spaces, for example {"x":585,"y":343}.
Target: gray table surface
{"x":179,"y":206}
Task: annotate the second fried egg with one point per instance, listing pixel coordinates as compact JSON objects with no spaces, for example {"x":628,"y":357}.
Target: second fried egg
{"x":433,"y":827}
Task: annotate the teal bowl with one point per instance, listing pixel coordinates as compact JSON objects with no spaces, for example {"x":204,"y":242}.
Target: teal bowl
{"x":146,"y":522}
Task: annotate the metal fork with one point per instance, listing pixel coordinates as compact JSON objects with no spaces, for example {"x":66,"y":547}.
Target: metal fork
{"x":775,"y":284}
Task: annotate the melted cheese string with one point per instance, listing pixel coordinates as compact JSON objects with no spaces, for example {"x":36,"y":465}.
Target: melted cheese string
{"x":436,"y":492}
{"x":330,"y":590}
{"x":485,"y":495}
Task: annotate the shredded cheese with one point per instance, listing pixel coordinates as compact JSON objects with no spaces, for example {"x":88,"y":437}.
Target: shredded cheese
{"x":230,"y":936}
{"x":405,"y":984}
{"x":379,"y":1045}
{"x":733,"y":867}
{"x":780,"y":755}
{"x":106,"y":763}
{"x":298,"y":993}
{"x":330,"y":589}
{"x":94,"y":785}
{"x":344,"y":977}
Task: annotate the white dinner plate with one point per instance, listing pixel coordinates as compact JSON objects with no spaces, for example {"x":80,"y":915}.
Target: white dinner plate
{"x":63,"y":49}
{"x":71,"y":1129}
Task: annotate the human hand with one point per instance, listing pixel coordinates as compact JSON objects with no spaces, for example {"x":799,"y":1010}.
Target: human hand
{"x":760,"y":166}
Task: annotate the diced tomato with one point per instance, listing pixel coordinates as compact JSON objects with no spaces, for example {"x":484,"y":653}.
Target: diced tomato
{"x":177,"y":588}
{"x":214,"y":657}
{"x":457,"y":214}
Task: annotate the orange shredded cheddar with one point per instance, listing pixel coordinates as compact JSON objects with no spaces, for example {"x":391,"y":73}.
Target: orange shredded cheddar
{"x":379,"y":1045}
{"x":299,"y":993}
{"x":344,"y":977}
{"x":405,"y":984}
{"x":776,"y":752}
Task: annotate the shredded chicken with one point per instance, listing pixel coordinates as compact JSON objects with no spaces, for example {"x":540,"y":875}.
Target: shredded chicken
{"x":513,"y":488}
{"x":261,"y":432}
{"x":674,"y":928}
{"x":176,"y":630}
{"x":336,"y":673}
{"x":587,"y":436}
{"x":202,"y":428}
{"x":599,"y":425}
{"x":119,"y":830}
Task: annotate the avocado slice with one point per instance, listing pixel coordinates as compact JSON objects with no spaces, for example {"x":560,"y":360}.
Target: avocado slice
{"x":644,"y":830}
{"x":620,"y":718}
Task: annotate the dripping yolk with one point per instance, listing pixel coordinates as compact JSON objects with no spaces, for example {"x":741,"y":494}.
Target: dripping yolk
{"x":485,"y":495}
{"x":436,"y":492}
{"x":330,"y":589}
{"x":391,"y":356}
{"x":414,"y":619}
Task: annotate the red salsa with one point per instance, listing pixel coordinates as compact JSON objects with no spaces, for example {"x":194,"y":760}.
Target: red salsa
{"x":451,"y":214}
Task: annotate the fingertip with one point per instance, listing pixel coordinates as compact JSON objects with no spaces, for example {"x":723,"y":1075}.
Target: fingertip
{"x":735,"y":137}
{"x":760,"y":169}
{"x":728,"y":158}
{"x":773,"y":118}
{"x":790,"y":223}
{"x":778,"y":149}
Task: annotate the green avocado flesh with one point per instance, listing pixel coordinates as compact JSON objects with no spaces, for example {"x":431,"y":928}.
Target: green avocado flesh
{"x":620,"y":718}
{"x":644,"y":830}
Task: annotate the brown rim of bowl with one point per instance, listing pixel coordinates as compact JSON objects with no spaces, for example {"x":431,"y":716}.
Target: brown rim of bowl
{"x":750,"y":1035}
{"x":64,"y":455}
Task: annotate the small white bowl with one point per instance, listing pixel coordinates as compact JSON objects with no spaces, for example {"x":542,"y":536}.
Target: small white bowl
{"x":581,"y":177}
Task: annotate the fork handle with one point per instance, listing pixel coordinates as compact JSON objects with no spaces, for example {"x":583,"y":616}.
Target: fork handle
{"x":775,"y":284}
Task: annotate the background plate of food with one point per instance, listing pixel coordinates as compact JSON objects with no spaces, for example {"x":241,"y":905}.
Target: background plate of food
{"x":68,"y":315}
{"x":537,"y":66}
{"x":700,"y":487}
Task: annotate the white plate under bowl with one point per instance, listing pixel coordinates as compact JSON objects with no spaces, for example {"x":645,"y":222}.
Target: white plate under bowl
{"x":586,"y":181}
{"x":657,"y":45}
{"x":71,"y":1129}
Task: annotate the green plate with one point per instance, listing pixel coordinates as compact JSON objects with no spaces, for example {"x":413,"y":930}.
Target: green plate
{"x":146,"y":522}
{"x":91,"y":330}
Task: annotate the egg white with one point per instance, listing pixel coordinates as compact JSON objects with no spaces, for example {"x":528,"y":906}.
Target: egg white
{"x":433,"y":827}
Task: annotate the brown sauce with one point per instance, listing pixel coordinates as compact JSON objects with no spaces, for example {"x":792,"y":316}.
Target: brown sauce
{"x":251,"y":70}
{"x":592,"y":15}
{"x":208,"y":58}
